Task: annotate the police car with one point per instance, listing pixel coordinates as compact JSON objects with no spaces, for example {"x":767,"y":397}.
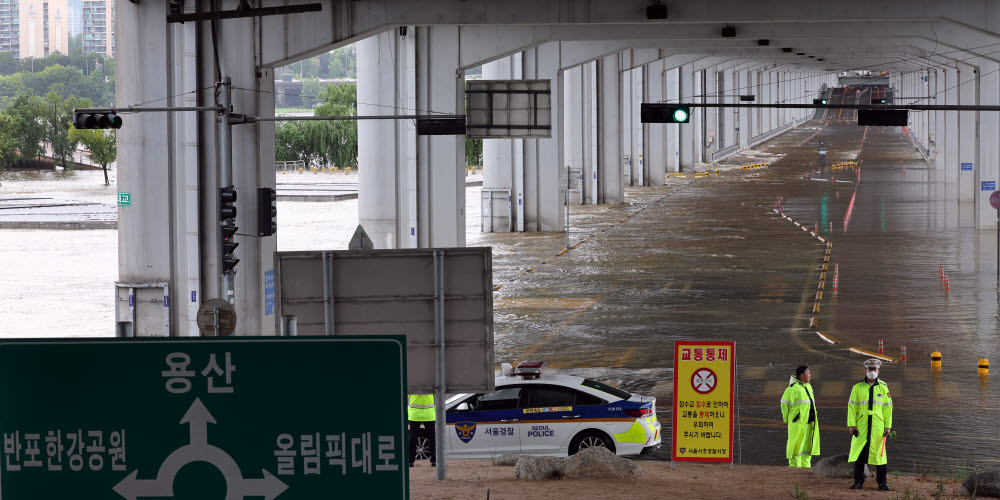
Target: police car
{"x":531,"y":413}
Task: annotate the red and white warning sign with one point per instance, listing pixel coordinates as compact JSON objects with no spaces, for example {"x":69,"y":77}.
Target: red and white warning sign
{"x":704,"y":376}
{"x":703,"y":380}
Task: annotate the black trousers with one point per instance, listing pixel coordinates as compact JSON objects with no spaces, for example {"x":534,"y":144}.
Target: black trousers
{"x":428,"y":433}
{"x":859,"y":466}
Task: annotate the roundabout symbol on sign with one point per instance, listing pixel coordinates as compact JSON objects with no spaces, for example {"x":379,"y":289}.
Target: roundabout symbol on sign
{"x":703,"y":380}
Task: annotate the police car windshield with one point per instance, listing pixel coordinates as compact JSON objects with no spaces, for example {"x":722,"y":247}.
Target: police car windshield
{"x":618,"y":393}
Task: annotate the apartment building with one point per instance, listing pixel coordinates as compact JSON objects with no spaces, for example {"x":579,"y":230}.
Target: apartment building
{"x":99,"y":27}
{"x":43,"y":27}
{"x":9,"y":22}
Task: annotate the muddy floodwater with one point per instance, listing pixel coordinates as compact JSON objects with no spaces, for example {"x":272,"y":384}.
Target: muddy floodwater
{"x":699,"y":258}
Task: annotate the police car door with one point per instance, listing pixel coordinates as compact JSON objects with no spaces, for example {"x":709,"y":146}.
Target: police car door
{"x":548,"y":421}
{"x":486,"y":425}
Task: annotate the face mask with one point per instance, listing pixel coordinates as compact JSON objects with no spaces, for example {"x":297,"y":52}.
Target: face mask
{"x":872,"y":375}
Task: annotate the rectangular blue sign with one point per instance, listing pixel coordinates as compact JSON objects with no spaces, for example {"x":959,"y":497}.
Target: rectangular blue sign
{"x":988,"y":186}
{"x":269,"y":293}
{"x":966,"y":166}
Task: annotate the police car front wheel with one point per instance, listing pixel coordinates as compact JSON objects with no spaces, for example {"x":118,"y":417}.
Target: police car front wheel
{"x":423,"y":448}
{"x":590,"y":439}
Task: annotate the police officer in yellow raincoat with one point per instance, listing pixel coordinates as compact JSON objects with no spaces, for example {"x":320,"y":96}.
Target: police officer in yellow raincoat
{"x":798,"y":410}
{"x":869,"y":419}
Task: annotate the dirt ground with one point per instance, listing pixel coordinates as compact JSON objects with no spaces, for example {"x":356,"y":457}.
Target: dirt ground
{"x":477,"y":479}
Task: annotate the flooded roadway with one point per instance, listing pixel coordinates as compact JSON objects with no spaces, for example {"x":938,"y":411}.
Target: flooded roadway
{"x":696,"y":259}
{"x":710,"y":259}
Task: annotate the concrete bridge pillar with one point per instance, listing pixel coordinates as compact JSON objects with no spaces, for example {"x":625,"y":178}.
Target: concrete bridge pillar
{"x":653,"y":133}
{"x":744,"y":125}
{"x":989,"y":138}
{"x":938,"y":131}
{"x":686,"y":131}
{"x":610,"y":188}
{"x":698,"y":117}
{"x":591,"y":133}
{"x":968,"y":120}
{"x":728,"y":129}
{"x":413,"y":193}
{"x":503,"y":159}
{"x":951,"y":133}
{"x":638,"y":147}
{"x":168,"y":162}
{"x":709,"y":143}
{"x":440,"y":88}
{"x":544,"y":164}
{"x":386,"y":157}
{"x":630,"y":161}
{"x":573,"y":131}
{"x":671,"y":77}
{"x":774,"y":118}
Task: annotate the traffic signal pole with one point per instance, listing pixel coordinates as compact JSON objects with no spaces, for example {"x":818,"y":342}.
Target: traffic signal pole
{"x":224,"y":162}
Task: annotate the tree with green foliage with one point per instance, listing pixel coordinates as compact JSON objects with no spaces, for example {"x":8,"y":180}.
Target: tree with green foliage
{"x":473,"y":151}
{"x":341,"y":141}
{"x":332,"y":142}
{"x":100,"y":143}
{"x":312,"y":92}
{"x":8,"y":63}
{"x":28,"y":128}
{"x":289,"y":142}
{"x":75,"y":44}
{"x":58,"y":117}
{"x":8,"y":145}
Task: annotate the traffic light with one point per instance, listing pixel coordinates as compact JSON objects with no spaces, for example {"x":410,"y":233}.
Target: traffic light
{"x":227,"y":200}
{"x":883,"y":117}
{"x":664,"y":113}
{"x":227,"y":221}
{"x":229,"y":260}
{"x":96,"y":120}
{"x":819,"y":102}
{"x":267,"y":212}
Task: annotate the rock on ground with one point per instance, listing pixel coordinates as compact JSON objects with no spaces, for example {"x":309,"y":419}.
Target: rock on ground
{"x":600,"y":463}
{"x":983,"y":484}
{"x":838,"y":466}
{"x":507,"y":460}
{"x":835,"y":466}
{"x":529,"y":467}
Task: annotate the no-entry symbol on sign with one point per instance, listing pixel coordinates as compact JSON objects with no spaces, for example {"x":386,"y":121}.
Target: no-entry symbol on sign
{"x":995,"y":199}
{"x":703,"y":380}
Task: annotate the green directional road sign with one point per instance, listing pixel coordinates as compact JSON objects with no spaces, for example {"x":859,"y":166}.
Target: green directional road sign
{"x":125,"y":199}
{"x":288,"y":418}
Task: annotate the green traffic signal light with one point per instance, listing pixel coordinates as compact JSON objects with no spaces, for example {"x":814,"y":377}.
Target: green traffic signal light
{"x":823,"y":102}
{"x":664,"y":113}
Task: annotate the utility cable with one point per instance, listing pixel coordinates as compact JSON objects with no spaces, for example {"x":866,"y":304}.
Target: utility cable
{"x":415,"y":110}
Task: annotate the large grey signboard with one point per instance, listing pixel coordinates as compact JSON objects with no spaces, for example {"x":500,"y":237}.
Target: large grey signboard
{"x":395,"y":292}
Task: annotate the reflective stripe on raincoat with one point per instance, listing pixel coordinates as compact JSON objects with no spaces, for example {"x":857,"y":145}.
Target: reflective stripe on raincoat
{"x":870,"y":410}
{"x":803,"y":437}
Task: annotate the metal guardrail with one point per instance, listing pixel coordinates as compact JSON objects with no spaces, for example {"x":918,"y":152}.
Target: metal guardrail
{"x":920,"y":147}
{"x":724,"y":152}
{"x":729,"y":151}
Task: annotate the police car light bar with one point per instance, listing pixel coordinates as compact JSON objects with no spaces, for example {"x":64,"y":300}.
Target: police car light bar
{"x":529,"y":369}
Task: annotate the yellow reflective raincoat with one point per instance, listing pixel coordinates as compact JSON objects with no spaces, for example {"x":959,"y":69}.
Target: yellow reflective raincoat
{"x":870,"y":410}
{"x":421,"y":408}
{"x":798,"y":410}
